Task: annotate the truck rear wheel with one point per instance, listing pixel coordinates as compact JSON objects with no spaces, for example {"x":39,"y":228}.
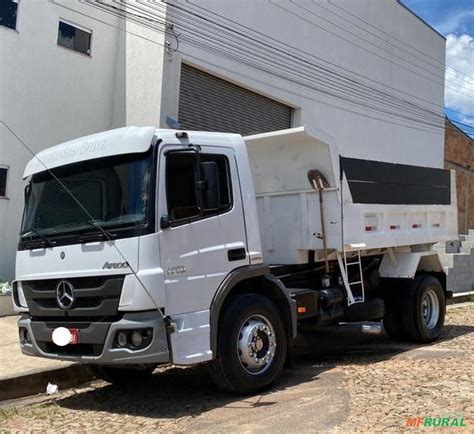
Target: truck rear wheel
{"x":424,"y":309}
{"x":251,"y":345}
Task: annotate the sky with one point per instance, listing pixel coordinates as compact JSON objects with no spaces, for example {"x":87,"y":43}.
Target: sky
{"x":455,"y":20}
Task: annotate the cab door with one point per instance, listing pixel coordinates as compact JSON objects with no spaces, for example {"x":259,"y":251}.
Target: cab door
{"x":198,"y":247}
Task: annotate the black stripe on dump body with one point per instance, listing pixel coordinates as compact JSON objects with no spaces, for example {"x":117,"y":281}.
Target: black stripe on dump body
{"x":378,"y":182}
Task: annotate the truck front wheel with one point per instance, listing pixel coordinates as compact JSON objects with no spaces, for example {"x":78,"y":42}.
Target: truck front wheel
{"x":251,"y":345}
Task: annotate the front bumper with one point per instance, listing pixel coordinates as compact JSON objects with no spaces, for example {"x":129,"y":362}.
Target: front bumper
{"x":97,"y":339}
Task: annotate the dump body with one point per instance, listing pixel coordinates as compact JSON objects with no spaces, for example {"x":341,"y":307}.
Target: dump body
{"x":395,"y":205}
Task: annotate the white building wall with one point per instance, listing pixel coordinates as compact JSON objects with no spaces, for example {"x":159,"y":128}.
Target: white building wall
{"x":50,"y":94}
{"x":357,"y":131}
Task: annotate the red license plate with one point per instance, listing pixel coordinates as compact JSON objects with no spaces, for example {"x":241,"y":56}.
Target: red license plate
{"x":74,"y":336}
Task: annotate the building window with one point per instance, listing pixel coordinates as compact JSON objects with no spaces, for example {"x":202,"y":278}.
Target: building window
{"x":8,"y":11}
{"x":74,"y":38}
{"x":3,"y":181}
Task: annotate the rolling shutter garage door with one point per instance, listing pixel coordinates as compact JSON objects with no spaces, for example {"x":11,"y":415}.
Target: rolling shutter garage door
{"x":208,"y":103}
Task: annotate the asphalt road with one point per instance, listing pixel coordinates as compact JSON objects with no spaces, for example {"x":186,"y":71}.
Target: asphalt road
{"x":343,"y":381}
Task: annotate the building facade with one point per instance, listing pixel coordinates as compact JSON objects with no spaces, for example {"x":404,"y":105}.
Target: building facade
{"x":459,"y":156}
{"x":369,"y":74}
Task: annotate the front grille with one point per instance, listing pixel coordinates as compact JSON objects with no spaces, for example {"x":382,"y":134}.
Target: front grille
{"x":96,"y":299}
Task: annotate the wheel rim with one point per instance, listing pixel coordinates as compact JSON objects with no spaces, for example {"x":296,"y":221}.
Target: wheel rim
{"x":256,"y":344}
{"x":430,"y":309}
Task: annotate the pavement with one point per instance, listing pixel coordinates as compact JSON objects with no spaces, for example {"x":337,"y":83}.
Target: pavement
{"x":339,"y":381}
{"x":23,"y":375}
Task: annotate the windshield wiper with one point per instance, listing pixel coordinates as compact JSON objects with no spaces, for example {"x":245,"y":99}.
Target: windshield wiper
{"x":46,"y":240}
{"x":100,"y":235}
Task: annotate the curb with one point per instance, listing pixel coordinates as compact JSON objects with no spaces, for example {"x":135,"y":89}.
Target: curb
{"x":461,"y":297}
{"x":30,"y":384}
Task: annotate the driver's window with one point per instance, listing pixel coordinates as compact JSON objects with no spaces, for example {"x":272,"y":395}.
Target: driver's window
{"x":181,"y":177}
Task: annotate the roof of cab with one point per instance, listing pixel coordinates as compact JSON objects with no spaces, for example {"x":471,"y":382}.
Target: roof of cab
{"x":127,"y":140}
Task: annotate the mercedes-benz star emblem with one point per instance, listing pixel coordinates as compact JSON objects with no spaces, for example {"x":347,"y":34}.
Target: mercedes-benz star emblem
{"x":65,"y":295}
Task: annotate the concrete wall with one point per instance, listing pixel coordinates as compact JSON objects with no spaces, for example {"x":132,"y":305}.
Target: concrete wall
{"x":358,"y":131}
{"x":459,"y":155}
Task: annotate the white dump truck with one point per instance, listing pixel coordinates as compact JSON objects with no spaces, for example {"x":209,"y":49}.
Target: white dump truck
{"x":142,"y":247}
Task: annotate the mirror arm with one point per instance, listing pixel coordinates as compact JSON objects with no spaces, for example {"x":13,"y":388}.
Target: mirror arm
{"x":197,"y":150}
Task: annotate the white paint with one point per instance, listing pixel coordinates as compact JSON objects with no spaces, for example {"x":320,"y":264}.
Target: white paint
{"x":191,"y":341}
{"x":208,"y":239}
{"x":289,"y":211}
{"x":406,"y":264}
{"x":61,"y":336}
{"x":79,"y":260}
{"x":120,"y":141}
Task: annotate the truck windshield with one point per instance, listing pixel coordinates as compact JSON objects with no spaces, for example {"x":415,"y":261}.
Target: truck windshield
{"x":115,"y":191}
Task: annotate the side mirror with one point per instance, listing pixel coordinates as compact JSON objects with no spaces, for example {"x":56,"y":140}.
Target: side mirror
{"x":208,"y":186}
{"x":27,"y":192}
{"x":165,"y":222}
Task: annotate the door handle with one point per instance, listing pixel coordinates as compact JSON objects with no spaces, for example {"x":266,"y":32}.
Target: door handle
{"x":236,"y":254}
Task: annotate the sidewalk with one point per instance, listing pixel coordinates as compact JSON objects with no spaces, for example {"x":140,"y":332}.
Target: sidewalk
{"x":23,"y":375}
{"x":6,"y":306}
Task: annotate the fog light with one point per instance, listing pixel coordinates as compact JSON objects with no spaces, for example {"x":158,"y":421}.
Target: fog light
{"x":122,"y":339}
{"x":137,"y":338}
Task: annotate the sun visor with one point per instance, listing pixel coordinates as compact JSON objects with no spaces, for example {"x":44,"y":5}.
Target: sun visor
{"x":128,"y":140}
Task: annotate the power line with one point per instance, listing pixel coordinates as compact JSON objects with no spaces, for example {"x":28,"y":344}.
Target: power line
{"x":297,"y":50}
{"x":135,"y":16}
{"x":392,"y":113}
{"x":446,"y":71}
{"x":354,"y":91}
{"x":367,"y":23}
{"x":360,"y":46}
{"x":227,"y":44}
{"x":332,"y":23}
{"x":345,"y":108}
{"x":106,"y":23}
{"x":371,"y":88}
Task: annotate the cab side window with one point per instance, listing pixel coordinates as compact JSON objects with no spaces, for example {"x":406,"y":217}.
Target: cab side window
{"x":186,"y":193}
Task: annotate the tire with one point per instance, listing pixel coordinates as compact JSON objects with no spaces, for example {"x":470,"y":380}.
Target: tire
{"x":371,"y":309}
{"x":123,"y":376}
{"x":424,"y":309}
{"x":235,"y":369}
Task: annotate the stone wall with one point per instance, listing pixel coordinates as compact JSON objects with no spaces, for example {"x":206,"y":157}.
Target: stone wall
{"x":459,"y":155}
